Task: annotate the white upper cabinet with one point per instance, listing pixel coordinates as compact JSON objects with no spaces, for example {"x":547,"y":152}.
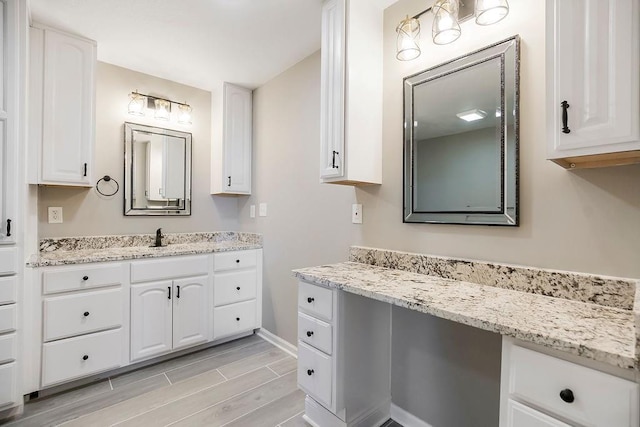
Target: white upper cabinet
{"x":62,"y":86}
{"x":593,"y":95}
{"x":351,"y":92}
{"x":231,"y":154}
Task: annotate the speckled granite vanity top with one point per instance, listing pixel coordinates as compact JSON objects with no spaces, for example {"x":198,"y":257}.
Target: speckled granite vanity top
{"x":79,"y":250}
{"x":585,"y":315}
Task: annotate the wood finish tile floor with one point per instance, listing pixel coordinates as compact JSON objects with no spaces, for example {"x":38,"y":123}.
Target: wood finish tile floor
{"x":243,"y":383}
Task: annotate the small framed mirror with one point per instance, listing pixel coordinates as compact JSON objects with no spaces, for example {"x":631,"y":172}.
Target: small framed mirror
{"x":157,"y":175}
{"x":461,"y":136}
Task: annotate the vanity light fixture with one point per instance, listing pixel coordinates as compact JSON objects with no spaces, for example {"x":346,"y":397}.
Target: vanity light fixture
{"x":448,"y":14}
{"x":141,"y":104}
{"x":472,"y":115}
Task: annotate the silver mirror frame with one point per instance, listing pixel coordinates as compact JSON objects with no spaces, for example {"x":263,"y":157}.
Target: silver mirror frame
{"x":129,"y":210}
{"x":506,"y":217}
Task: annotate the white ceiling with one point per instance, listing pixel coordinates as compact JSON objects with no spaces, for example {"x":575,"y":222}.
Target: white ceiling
{"x":194,"y":42}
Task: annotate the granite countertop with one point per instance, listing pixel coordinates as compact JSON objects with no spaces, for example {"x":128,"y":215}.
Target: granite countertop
{"x":605,"y":334}
{"x":82,"y":250}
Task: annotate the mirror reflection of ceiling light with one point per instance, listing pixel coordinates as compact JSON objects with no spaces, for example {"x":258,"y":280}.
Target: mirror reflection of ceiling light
{"x":498,"y":113}
{"x":446,"y":23}
{"x":472,"y":115}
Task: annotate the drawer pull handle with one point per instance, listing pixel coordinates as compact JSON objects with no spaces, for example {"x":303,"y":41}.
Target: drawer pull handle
{"x":310,"y":300}
{"x":168,"y":292}
{"x":238,"y":319}
{"x":567,"y":395}
{"x":85,"y":278}
{"x":310,"y":372}
{"x":178,"y":293}
{"x":85,"y":357}
{"x":309,"y":333}
{"x":86,"y":314}
{"x":237,"y":288}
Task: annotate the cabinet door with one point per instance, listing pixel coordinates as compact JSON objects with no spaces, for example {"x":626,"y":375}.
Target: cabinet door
{"x":592,"y":64}
{"x":332,"y":89}
{"x":237,"y":139}
{"x":8,"y":376}
{"x":190,"y":311}
{"x":68,"y":109}
{"x":522,"y":416}
{"x":151,"y":327}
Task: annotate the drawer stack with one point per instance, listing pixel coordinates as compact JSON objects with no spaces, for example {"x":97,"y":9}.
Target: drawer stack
{"x":8,"y":325}
{"x":316,"y":321}
{"x":83,"y":315}
{"x":236,"y":292}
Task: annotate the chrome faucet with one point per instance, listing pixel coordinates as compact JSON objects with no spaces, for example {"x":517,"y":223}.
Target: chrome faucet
{"x":159,"y":237}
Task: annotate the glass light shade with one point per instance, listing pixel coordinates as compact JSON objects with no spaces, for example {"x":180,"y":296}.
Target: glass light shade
{"x":407,"y":44}
{"x":136,"y":105}
{"x":491,"y":11}
{"x":162,"y":109}
{"x":446,"y":28}
{"x":184,"y":114}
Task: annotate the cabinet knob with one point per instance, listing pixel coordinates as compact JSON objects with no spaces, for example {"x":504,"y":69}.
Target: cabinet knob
{"x":85,"y":357}
{"x":85,"y":278}
{"x":310,"y":300}
{"x":309,"y":333}
{"x":238,"y":261}
{"x":237,"y":288}
{"x":567,"y":395}
{"x":310,"y":372}
{"x":238,"y":319}
{"x":86,"y":314}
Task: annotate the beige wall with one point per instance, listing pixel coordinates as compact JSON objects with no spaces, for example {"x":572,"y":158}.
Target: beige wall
{"x":307,"y":223}
{"x":87,"y":213}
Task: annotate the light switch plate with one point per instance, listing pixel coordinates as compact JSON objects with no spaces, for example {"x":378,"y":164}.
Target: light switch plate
{"x":263,"y":209}
{"x":55,"y":215}
{"x":252,"y":211}
{"x":356,"y":213}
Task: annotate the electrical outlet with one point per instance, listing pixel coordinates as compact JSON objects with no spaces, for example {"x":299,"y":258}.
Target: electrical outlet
{"x":55,"y":215}
{"x":263,"y":209}
{"x":252,"y":211}
{"x":356,"y":213}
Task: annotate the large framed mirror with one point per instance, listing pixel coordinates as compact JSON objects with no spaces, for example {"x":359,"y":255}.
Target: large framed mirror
{"x":461,"y":139}
{"x":157,"y":176}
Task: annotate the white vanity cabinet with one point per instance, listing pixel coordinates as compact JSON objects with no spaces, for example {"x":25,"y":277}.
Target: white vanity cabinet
{"x":84,"y":320}
{"x":342,"y":366}
{"x":539,"y":389}
{"x":62,"y":108}
{"x":237,"y":292}
{"x":231,"y":154}
{"x":351,"y":92}
{"x":168,"y":310}
{"x":593,"y":83}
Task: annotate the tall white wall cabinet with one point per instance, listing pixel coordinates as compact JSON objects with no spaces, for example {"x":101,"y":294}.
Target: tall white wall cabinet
{"x":62,"y":108}
{"x":593,"y":83}
{"x":231,"y":150}
{"x":13,"y":24}
{"x":351,"y":92}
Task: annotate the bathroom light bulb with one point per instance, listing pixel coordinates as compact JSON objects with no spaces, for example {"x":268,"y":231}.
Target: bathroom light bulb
{"x":136,"y":105}
{"x":184,"y":115}
{"x":408,"y":38}
{"x":162,"y":109}
{"x":446,"y":28}
{"x":491,"y":11}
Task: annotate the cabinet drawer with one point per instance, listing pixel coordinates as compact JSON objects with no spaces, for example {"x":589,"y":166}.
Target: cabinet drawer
{"x":8,"y":348}
{"x":522,"y":416}
{"x":315,"y":373}
{"x":7,"y":318}
{"x":234,"y":260}
{"x":599,"y":399}
{"x":316,"y":300}
{"x":65,"y":360}
{"x":85,"y":277}
{"x":8,"y":260}
{"x":315,"y":332}
{"x":69,"y":315}
{"x":234,"y":318}
{"x":234,"y":286}
{"x":169,"y":268}
{"x":8,"y":391}
{"x":8,"y":290}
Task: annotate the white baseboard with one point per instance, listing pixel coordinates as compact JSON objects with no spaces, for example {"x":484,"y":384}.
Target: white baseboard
{"x":283,"y":345}
{"x":405,"y":418}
